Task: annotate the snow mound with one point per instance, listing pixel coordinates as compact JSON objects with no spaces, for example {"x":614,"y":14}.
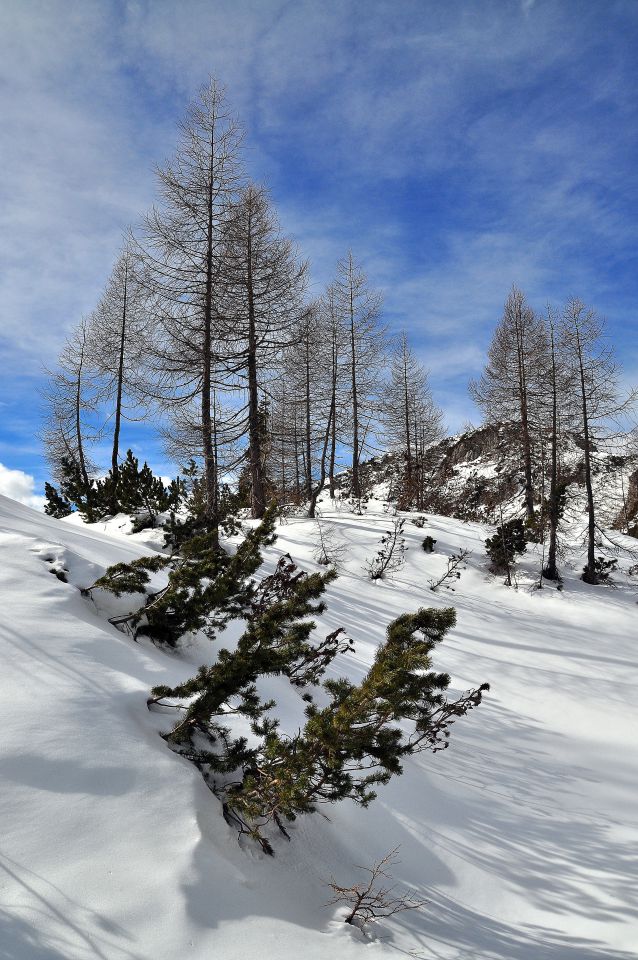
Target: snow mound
{"x":521,"y":836}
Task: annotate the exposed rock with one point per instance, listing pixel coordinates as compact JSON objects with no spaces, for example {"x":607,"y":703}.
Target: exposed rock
{"x":478,"y":474}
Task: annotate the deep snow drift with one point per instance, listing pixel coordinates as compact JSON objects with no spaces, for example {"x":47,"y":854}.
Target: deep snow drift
{"x":522,"y":836}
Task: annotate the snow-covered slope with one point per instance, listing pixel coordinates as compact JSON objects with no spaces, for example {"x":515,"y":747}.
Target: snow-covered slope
{"x":477,"y":474}
{"x":522,"y":835}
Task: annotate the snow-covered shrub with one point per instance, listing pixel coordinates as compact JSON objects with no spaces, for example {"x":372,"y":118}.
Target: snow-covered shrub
{"x":372,"y":900}
{"x":452,"y":572}
{"x":390,"y":556}
{"x":509,"y":541}
{"x":329,"y":548}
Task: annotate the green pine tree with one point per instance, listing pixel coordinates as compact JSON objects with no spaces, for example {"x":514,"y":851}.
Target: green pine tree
{"x":206,"y":588}
{"x":134,"y":490}
{"x":509,"y":541}
{"x":357,"y":741}
{"x":56,"y":505}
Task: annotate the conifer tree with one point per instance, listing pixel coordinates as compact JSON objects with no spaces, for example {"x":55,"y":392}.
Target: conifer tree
{"x":411,"y":419}
{"x":182,"y":251}
{"x":358,"y":740}
{"x":72,"y":398}
{"x":136,"y":491}
{"x":600,"y":402}
{"x":116,"y":344}
{"x":505,"y":545}
{"x":359,"y":308}
{"x":512,"y":388}
{"x":57,"y":505}
{"x":265,"y":282}
{"x":205,"y":588}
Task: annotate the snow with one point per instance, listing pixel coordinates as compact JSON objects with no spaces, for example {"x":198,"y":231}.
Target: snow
{"x":522,"y":836}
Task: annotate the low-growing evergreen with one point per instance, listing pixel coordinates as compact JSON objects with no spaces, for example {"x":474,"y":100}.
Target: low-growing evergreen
{"x":509,"y":542}
{"x":132,"y":489}
{"x":206,"y":587}
{"x":346,"y":748}
{"x":56,"y":504}
{"x":354,"y":737}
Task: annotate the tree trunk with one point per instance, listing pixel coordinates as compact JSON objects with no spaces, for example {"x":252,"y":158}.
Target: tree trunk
{"x":297,"y":480}
{"x":312,"y":509}
{"x":525,"y":438}
{"x":308,"y":437}
{"x":356,"y":484}
{"x":254,"y":426}
{"x":210,"y":466}
{"x":589,"y":575}
{"x":408,"y":452}
{"x":78,"y":432}
{"x":551,"y":570}
{"x":118,"y":398}
{"x":333,"y":416}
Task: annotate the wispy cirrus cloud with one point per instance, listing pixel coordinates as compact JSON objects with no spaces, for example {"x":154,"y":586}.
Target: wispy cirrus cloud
{"x":457,"y":148}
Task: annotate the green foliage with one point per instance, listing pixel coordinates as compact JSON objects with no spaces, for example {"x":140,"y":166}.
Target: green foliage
{"x":353,"y":740}
{"x":603,"y":569}
{"x":244,"y":493}
{"x":509,"y":541}
{"x":356,"y":742}
{"x":130,"y":577}
{"x":191,"y":520}
{"x":73,"y":489}
{"x":56,"y":505}
{"x":275,"y":642}
{"x":136,"y":491}
{"x":206,"y":588}
{"x":428,"y":544}
{"x":130,"y":489}
{"x":346,"y":748}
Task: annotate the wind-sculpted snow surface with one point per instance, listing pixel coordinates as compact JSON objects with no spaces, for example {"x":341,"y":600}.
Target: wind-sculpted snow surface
{"x":522,"y":836}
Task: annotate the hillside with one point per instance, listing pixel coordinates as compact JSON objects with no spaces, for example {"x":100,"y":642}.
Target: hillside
{"x":521,"y":836}
{"x":475,"y":474}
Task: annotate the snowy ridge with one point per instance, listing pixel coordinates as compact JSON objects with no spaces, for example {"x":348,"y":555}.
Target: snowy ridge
{"x":475,"y":475}
{"x":521,"y":836}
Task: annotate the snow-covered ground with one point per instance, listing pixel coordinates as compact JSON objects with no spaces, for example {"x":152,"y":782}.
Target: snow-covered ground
{"x":522,"y":836}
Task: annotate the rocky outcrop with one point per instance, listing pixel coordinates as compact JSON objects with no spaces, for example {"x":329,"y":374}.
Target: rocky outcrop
{"x":478,"y":475}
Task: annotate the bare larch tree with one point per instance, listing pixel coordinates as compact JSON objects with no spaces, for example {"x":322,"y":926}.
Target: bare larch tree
{"x":512,"y":385}
{"x":360,"y":307}
{"x":183,"y":245}
{"x":595,"y":374}
{"x":264,"y":294}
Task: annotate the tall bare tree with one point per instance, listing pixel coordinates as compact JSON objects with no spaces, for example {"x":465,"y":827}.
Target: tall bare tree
{"x":360,"y":308}
{"x":335,"y":344}
{"x":183,"y":244}
{"x":601,"y":405}
{"x":562,"y":419}
{"x":72,"y":397}
{"x":116,"y":345}
{"x":411,"y":419}
{"x":512,"y":387}
{"x":264,"y":293}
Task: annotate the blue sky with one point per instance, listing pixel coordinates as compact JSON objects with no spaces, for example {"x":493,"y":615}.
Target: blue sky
{"x":458,"y":147}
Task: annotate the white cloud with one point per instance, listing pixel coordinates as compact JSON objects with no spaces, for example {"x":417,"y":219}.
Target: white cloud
{"x":19,"y":486}
{"x":492,"y":101}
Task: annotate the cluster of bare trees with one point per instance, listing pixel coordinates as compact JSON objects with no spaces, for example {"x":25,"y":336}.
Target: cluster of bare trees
{"x":206,"y":323}
{"x":555,"y":379}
